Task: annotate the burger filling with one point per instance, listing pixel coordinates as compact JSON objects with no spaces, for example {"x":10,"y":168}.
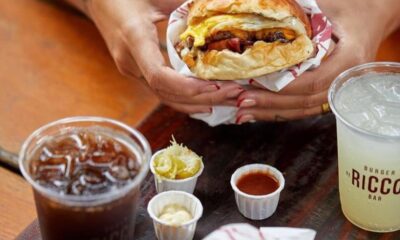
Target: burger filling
{"x":235,"y":33}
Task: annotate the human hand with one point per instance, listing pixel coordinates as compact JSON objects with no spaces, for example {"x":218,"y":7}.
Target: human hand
{"x":129,"y":30}
{"x":359,"y":26}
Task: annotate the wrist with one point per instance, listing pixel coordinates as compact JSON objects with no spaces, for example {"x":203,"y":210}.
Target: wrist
{"x":81,"y":5}
{"x":388,"y":16}
{"x":87,"y":4}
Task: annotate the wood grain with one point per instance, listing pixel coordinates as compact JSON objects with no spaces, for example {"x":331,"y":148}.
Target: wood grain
{"x":390,"y":48}
{"x":17,"y":208}
{"x":54,"y":64}
{"x":304,"y":151}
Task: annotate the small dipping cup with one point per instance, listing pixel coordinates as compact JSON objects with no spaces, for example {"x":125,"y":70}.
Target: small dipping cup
{"x":164,"y":184}
{"x":257,"y":207}
{"x":184,"y":231}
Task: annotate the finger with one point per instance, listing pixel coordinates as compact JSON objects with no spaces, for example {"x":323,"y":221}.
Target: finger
{"x":271,"y":100}
{"x":125,"y":63}
{"x":189,"y":108}
{"x":261,"y":114}
{"x":319,"y":79}
{"x":167,"y":6}
{"x":145,"y":50}
{"x":226,"y":95}
{"x":254,"y":83}
{"x":332,"y":47}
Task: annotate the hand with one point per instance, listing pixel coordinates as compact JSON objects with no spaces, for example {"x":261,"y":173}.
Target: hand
{"x":359,"y":26}
{"x":129,"y":30}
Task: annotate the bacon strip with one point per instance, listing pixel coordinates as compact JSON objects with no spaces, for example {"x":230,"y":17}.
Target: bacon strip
{"x":234,"y":44}
{"x":238,"y":40}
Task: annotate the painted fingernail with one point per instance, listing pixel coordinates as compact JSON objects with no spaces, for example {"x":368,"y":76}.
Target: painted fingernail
{"x":207,"y":111}
{"x":246,"y":103}
{"x":210,"y":88}
{"x":235,"y":93}
{"x":244,"y":118}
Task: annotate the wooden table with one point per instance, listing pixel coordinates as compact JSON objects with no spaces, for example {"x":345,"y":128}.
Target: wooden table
{"x":304,"y":151}
{"x":43,"y":79}
{"x":53,"y":64}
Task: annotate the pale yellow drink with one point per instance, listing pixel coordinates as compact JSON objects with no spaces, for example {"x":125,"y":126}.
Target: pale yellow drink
{"x":367,"y":108}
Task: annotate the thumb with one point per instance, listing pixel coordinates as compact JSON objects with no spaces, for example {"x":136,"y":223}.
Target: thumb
{"x":144,"y":47}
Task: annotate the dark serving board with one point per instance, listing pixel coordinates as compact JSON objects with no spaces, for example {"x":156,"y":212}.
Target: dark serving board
{"x":304,"y":151}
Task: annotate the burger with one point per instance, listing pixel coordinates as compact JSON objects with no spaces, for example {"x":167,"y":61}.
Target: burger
{"x":241,"y":39}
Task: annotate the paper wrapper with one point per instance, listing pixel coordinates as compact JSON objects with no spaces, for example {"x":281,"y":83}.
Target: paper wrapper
{"x":322,"y":31}
{"x":243,"y":231}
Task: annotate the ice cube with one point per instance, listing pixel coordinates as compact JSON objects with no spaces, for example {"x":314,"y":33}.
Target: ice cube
{"x":92,"y":177}
{"x":389,"y":130}
{"x":47,"y":152}
{"x":69,"y":166}
{"x":49,"y":172}
{"x":120,"y":159}
{"x":386,"y":86}
{"x":133,"y":164}
{"x":371,"y":102}
{"x":110,"y":177}
{"x":120,"y":172}
{"x":76,"y":188}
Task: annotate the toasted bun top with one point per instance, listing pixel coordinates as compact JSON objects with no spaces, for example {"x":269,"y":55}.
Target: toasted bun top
{"x":273,"y":9}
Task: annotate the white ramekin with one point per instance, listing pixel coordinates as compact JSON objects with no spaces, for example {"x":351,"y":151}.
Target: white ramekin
{"x":167,"y":232}
{"x":163,"y":184}
{"x":257,"y":207}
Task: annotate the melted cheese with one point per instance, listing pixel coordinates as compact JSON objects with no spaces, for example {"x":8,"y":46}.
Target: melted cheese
{"x":247,"y":22}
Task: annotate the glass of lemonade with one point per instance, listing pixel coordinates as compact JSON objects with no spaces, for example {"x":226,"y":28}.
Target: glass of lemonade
{"x":86,"y":174}
{"x":366,"y":102}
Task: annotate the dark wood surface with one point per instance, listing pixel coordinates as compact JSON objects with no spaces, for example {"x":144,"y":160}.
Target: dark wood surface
{"x":46,"y":47}
{"x":305,"y":151}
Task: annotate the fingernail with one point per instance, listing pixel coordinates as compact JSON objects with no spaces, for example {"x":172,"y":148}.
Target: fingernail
{"x":245,"y":118}
{"x":211,"y":88}
{"x":235,"y":93}
{"x":207,"y":111}
{"x":246,"y":103}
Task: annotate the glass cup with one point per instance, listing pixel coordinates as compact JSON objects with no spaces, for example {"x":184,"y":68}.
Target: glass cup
{"x":369,"y":163}
{"x":106,"y":215}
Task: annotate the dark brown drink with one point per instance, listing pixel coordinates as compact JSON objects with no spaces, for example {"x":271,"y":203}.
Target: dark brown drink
{"x":87,"y":184}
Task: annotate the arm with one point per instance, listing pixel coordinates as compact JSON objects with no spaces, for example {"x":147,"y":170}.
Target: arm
{"x":128,"y":28}
{"x":81,"y":5}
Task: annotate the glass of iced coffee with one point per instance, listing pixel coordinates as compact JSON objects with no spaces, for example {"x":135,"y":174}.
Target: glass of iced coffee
{"x":86,"y":174}
{"x":366,"y":102}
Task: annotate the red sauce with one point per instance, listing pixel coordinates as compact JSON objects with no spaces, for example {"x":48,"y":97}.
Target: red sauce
{"x":257,"y":183}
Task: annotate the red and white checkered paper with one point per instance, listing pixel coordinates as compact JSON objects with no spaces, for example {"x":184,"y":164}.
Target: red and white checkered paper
{"x":244,"y":231}
{"x":321,"y":36}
